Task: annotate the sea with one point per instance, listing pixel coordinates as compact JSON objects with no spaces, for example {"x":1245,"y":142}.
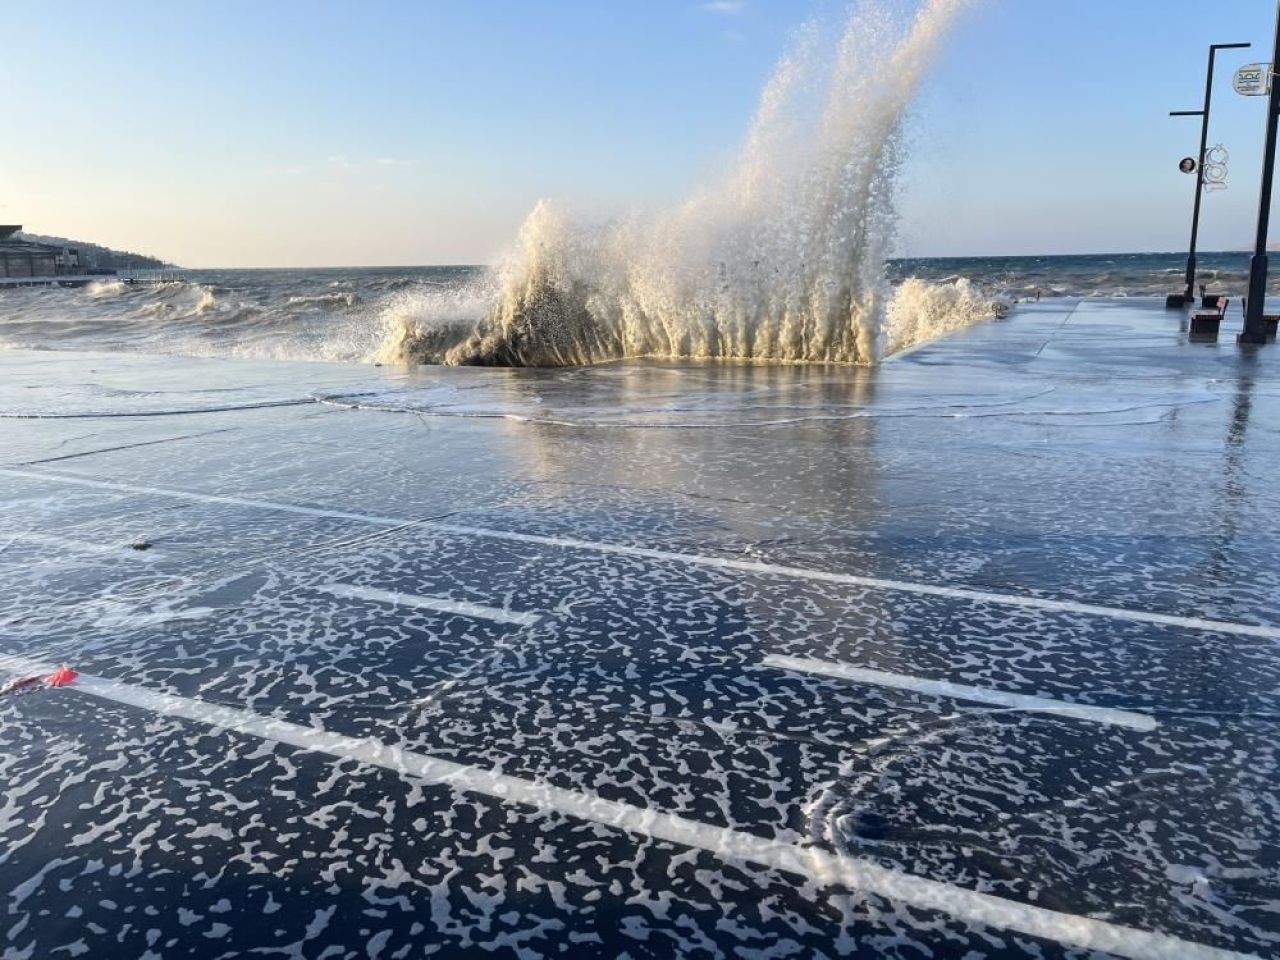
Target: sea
{"x":368,"y":315}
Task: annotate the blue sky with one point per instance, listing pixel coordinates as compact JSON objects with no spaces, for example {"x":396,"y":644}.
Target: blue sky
{"x":327,"y":133}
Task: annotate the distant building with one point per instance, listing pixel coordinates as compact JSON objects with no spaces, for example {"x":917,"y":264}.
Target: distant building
{"x":23,"y":258}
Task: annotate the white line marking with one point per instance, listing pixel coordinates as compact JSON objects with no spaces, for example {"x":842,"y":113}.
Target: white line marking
{"x":202,"y":497}
{"x":960,"y":691}
{"x":821,"y":866}
{"x":442,"y":604}
{"x":722,"y":563}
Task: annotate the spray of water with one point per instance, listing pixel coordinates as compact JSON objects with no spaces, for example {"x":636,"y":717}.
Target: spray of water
{"x":782,"y":260}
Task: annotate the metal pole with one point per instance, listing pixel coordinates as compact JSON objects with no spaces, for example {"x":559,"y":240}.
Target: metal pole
{"x":1189,"y":294}
{"x":1254,"y":328}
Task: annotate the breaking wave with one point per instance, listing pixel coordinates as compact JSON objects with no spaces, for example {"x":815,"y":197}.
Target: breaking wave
{"x":782,"y":260}
{"x":102,"y":289}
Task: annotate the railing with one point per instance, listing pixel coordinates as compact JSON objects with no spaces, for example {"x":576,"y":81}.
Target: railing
{"x":148,"y":276}
{"x":83,"y":279}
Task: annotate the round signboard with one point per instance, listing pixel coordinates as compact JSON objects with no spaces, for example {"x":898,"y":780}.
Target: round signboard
{"x":1253,"y":80}
{"x":1187,"y":165}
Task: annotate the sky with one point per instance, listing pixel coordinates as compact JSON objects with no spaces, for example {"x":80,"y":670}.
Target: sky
{"x":230,"y":133}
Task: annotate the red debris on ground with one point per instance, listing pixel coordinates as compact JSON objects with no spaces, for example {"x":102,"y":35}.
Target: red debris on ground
{"x":61,"y":677}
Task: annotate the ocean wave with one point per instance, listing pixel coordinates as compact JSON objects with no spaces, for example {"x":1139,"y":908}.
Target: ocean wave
{"x":435,"y":312}
{"x":345,"y":299}
{"x":443,"y":327}
{"x":426,"y":326}
{"x":434,"y":315}
{"x":102,"y":289}
{"x":208,"y":301}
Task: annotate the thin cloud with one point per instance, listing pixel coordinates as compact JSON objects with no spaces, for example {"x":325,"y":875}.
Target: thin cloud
{"x":725,"y":8}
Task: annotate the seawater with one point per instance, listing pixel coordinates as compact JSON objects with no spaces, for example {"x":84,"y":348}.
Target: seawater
{"x":362,"y":314}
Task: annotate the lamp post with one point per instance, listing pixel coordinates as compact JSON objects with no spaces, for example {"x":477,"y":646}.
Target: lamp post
{"x":1254,"y":327}
{"x":1189,"y":294}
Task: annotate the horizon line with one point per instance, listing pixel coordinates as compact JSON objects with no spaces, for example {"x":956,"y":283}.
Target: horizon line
{"x":947,"y":256}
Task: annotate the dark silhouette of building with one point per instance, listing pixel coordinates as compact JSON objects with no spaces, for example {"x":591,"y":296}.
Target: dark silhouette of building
{"x":23,"y":258}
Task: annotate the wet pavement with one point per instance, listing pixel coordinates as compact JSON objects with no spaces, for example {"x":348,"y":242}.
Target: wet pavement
{"x":973,"y":654}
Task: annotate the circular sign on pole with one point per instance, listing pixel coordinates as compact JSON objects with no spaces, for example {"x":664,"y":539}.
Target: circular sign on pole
{"x":1213,"y":171}
{"x":1215,"y":176}
{"x":1187,"y":165}
{"x":1253,"y":80}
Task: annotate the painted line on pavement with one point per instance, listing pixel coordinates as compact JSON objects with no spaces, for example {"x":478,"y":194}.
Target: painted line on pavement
{"x":441,"y":604}
{"x":821,"y":866}
{"x":692,"y":559}
{"x":960,"y":691}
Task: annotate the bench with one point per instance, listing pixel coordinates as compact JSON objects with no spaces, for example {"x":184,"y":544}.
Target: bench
{"x":1269,"y":320}
{"x":1205,"y":326}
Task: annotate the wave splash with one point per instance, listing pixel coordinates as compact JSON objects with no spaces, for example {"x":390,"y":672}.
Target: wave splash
{"x":920,"y":311}
{"x":782,"y":260}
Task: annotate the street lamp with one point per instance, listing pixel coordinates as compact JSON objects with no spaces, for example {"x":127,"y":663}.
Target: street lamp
{"x":1254,"y":326}
{"x":1189,"y":294}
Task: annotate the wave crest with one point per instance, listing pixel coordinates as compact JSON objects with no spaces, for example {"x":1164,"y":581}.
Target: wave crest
{"x":104,"y":289}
